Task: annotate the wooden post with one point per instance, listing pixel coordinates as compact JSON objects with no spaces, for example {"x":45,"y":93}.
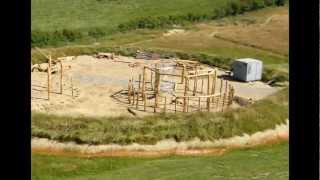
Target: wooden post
{"x":195,"y":83}
{"x":157,"y":87}
{"x":208,"y":86}
{"x":183,"y":73}
{"x":143,"y":80}
{"x":185,"y":93}
{"x":129,"y":91}
{"x":199,"y":104}
{"x":139,"y":87}
{"x":137,"y":100}
{"x":225,"y":95}
{"x":175,"y":105}
{"x":61,"y":75}
{"x":138,"y":92}
{"x":221,"y":85}
{"x":208,"y":104}
{"x":151,"y":83}
{"x":188,"y":104}
{"x":213,"y":91}
{"x":49,"y":77}
{"x":201,"y":85}
{"x":144,"y":102}
{"x":133,"y":96}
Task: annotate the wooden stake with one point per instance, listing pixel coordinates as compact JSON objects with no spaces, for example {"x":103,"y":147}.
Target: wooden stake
{"x":208,"y":86}
{"x":188,"y":104}
{"x":183,"y":73}
{"x":144,"y":102}
{"x":214,"y":83}
{"x":185,"y":93}
{"x":151,"y":83}
{"x":157,"y":87}
{"x":221,"y":85}
{"x":133,"y":97}
{"x":208,"y":104}
{"x":195,"y":83}
{"x":175,"y":105}
{"x":139,"y":87}
{"x":129,"y":91}
{"x":201,"y":85}
{"x":143,"y":81}
{"x":61,"y":75}
{"x":137,"y":101}
{"x":199,"y":104}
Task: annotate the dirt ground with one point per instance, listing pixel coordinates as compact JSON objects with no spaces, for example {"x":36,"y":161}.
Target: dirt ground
{"x":94,"y":81}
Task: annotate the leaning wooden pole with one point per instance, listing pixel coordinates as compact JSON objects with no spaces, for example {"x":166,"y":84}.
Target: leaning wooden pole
{"x":157,"y":88}
{"x":183,"y":73}
{"x":195,"y":83}
{"x":129,"y":91}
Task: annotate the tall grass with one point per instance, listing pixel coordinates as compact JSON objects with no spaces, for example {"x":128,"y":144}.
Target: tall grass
{"x":262,"y":115}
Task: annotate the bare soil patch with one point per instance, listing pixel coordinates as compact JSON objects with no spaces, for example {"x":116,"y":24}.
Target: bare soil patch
{"x":94,"y":81}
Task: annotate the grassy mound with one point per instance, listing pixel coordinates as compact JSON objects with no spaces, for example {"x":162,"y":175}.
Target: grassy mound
{"x":262,"y":115}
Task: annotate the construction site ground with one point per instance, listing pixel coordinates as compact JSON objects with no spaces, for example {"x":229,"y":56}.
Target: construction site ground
{"x":94,"y":81}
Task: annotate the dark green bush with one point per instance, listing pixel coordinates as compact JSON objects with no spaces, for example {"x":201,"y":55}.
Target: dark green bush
{"x":280,"y":2}
{"x":96,"y":32}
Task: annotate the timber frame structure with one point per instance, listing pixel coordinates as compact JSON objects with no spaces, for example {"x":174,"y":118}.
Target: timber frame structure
{"x":195,"y":89}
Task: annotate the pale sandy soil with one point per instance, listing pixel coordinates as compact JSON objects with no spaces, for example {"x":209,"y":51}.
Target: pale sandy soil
{"x":96,"y":80}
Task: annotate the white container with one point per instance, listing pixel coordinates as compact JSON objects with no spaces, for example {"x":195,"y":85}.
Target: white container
{"x":247,"y":69}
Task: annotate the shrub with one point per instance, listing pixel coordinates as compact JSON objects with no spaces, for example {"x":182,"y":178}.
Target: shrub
{"x":96,"y":32}
{"x":280,"y":2}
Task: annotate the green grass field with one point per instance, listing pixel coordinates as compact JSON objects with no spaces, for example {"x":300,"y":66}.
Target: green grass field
{"x":50,"y":15}
{"x":267,"y":162}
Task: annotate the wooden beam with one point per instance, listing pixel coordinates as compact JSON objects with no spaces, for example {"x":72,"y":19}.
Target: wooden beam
{"x":183,"y":74}
{"x":175,"y":105}
{"x":185,"y":93}
{"x":208,"y":85}
{"x":188,"y":104}
{"x":129,"y":91}
{"x":195,"y":84}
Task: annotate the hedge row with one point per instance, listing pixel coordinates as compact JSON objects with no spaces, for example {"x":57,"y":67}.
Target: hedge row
{"x":44,"y":38}
{"x":54,"y":38}
{"x":233,"y":7}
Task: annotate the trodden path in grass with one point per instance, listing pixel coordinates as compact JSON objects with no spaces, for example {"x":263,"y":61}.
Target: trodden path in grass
{"x":163,"y":148}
